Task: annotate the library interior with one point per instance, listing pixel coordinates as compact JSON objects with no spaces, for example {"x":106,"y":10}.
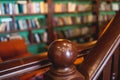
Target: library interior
{"x":59,"y":39}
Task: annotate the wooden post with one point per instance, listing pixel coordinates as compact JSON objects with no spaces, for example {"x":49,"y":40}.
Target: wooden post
{"x":62,"y":53}
{"x":49,"y":21}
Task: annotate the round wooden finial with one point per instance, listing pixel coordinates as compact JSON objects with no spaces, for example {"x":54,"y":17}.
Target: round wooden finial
{"x":62,"y":53}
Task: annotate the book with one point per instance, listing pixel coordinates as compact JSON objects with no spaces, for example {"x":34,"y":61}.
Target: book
{"x":43,"y":7}
{"x":37,"y":39}
{"x":15,"y":36}
{"x":45,"y":37}
{"x":25,"y":11}
{"x":11,"y":8}
{"x":11,"y":25}
{"x":90,"y":18}
{"x":24,"y":25}
{"x":20,"y":8}
{"x":33,"y":25}
{"x":37,"y":7}
{"x":58,"y":7}
{"x":55,"y":21}
{"x":2,"y":9}
{"x":77,"y":32}
{"x":2,"y":27}
{"x":115,"y":6}
{"x":72,"y":7}
{"x":84,"y":30}
{"x":60,"y":21}
{"x":37,"y":23}
{"x":78,"y":20}
{"x":6,"y":8}
{"x":16,"y":10}
{"x":68,"y":20}
{"x":21,"y":27}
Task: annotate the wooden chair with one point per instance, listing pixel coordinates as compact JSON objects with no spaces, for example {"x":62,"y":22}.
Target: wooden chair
{"x":13,"y":49}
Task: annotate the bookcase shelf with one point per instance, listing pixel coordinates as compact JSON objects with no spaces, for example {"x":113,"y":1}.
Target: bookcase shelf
{"x":39,"y":30}
{"x":28,"y":24}
{"x":108,"y":9}
{"x":107,"y":12}
{"x":72,"y":14}
{"x":75,"y":1}
{"x":66,"y":27}
{"x":34,"y":15}
{"x":29,"y":16}
{"x":13,"y":31}
{"x":5,"y":16}
{"x":80,"y":36}
{"x":35,"y":48}
{"x":39,"y":37}
{"x":8,"y":1}
{"x":36,"y":0}
{"x":62,"y":17}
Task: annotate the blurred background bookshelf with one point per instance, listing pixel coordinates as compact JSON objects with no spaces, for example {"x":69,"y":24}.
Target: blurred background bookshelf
{"x":24,"y":19}
{"x":74,"y":20}
{"x":40,"y":22}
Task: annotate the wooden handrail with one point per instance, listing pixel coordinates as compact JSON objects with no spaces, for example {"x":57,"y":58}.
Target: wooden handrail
{"x":35,"y":62}
{"x":102,"y":51}
{"x":81,"y":48}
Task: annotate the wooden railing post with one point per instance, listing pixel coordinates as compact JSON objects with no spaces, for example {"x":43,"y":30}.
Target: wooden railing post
{"x":62,"y":54}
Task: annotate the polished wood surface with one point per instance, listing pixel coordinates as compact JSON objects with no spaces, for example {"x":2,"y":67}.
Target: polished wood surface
{"x":107,"y":70}
{"x":81,"y":48}
{"x":102,"y":51}
{"x":62,"y":53}
{"x":40,"y":60}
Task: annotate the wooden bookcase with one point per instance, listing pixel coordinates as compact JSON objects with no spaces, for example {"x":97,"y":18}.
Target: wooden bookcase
{"x":76,"y":23}
{"x":22,"y":19}
{"x":54,"y":19}
{"x":107,"y":10}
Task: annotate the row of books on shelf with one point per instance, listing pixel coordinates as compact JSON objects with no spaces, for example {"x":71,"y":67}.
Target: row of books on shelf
{"x":71,"y":7}
{"x":24,"y":24}
{"x":104,"y":6}
{"x":69,"y":20}
{"x":10,"y":37}
{"x":103,"y":18}
{"x":76,"y":35}
{"x":83,"y":39}
{"x":37,"y":37}
{"x":23,"y":7}
{"x":76,"y":32}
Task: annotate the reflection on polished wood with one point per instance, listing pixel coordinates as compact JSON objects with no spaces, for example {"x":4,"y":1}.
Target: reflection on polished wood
{"x":16,"y":62}
{"x":102,"y":51}
{"x":62,"y":53}
{"x":40,"y":59}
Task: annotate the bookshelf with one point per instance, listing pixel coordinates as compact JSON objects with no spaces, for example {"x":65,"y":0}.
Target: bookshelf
{"x":25,"y":19}
{"x":107,"y":10}
{"x":40,"y":22}
{"x":76,"y":23}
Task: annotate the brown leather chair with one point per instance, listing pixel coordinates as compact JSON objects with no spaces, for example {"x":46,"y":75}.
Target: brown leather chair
{"x":13,"y":49}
